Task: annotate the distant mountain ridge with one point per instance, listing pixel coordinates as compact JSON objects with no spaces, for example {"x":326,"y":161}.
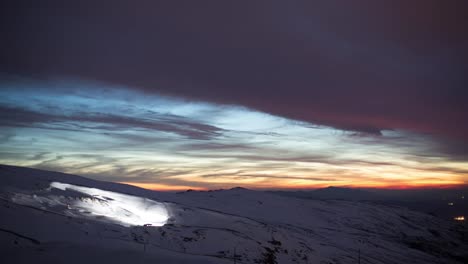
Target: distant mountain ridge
{"x":50,"y":217}
{"x":333,"y":193}
{"x":368,"y":194}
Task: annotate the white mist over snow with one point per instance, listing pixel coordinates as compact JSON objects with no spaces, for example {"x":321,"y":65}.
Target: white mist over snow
{"x":126,"y":209}
{"x":80,"y":201}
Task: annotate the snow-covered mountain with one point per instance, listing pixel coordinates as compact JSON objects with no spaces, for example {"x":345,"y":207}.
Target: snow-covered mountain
{"x":50,"y":217}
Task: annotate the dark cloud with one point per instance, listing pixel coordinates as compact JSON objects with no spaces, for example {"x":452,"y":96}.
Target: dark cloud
{"x":19,"y":117}
{"x":14,"y":116}
{"x":165,"y":123}
{"x":419,"y":146}
{"x":355,"y":65}
{"x":453,"y":149}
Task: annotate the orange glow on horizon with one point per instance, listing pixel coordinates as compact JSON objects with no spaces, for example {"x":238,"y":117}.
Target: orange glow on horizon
{"x":408,"y":186}
{"x":369,"y":186}
{"x":166,"y":187}
{"x":163,"y":187}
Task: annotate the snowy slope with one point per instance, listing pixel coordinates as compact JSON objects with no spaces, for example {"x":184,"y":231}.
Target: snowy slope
{"x":49,"y":217}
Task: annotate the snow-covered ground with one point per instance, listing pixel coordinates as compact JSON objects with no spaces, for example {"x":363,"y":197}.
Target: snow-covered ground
{"x":49,"y":217}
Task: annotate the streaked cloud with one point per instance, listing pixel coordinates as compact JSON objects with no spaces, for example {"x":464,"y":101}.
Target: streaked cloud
{"x":119,"y":134}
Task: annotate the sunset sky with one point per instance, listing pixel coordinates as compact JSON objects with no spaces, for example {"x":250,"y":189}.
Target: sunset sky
{"x":214,"y":94}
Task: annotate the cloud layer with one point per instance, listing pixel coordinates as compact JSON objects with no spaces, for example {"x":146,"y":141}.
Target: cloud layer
{"x":360,"y":66}
{"x":120,"y":134}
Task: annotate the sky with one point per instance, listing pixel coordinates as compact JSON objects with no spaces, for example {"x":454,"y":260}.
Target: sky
{"x":211,"y":94}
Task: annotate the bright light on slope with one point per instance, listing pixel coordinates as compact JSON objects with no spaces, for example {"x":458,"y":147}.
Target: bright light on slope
{"x":121,"y":208}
